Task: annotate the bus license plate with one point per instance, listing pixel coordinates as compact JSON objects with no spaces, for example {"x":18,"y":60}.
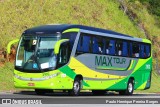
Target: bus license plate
{"x":31,"y":84}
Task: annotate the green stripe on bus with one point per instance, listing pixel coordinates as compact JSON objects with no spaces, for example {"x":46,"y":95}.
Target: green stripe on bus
{"x":137,"y":76}
{"x":70,"y":73}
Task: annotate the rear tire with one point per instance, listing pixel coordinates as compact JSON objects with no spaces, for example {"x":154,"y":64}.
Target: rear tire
{"x":130,"y":88}
{"x":76,"y":87}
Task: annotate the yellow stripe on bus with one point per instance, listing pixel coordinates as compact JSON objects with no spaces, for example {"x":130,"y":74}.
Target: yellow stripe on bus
{"x":87,"y":72}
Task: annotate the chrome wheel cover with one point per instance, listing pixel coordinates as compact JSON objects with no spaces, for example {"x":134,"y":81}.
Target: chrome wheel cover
{"x":76,"y":87}
{"x":130,"y":87}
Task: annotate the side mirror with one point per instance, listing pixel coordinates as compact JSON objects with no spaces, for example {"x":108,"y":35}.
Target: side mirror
{"x":10,"y":44}
{"x":58,"y":44}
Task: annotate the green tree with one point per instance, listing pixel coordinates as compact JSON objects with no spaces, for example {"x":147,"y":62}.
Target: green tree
{"x":155,"y":7}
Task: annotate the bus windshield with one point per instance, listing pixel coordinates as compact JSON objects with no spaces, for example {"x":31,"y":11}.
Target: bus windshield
{"x":36,"y":53}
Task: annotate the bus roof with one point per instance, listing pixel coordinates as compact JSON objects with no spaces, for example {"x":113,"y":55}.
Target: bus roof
{"x":52,"y":29}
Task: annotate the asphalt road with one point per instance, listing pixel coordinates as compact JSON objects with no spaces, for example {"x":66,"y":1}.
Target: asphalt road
{"x":60,"y":99}
{"x":32,"y":94}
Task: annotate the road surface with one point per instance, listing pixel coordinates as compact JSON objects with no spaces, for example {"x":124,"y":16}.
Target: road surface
{"x":85,"y":99}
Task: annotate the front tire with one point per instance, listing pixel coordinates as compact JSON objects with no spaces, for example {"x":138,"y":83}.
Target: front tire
{"x":76,"y":87}
{"x":130,"y":88}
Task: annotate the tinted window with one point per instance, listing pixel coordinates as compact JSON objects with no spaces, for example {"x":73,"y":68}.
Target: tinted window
{"x":144,"y":51}
{"x":136,"y":49}
{"x":98,"y":45}
{"x":147,"y":50}
{"x":125,"y":49}
{"x":71,"y":36}
{"x":84,"y":43}
{"x":112,"y":47}
{"x":107,"y":46}
{"x":119,"y":45}
{"x":63,"y":54}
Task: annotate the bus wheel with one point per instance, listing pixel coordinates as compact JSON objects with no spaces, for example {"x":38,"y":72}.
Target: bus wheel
{"x":40,"y":91}
{"x":98,"y":92}
{"x":76,"y":87}
{"x":129,"y":90}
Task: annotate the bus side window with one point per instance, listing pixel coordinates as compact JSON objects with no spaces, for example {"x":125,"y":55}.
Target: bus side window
{"x":84,"y":44}
{"x":147,"y":49}
{"x":63,"y":54}
{"x":104,"y":46}
{"x":72,"y":39}
{"x":130,"y":49}
{"x":100,"y":45}
{"x":142,"y":51}
{"x":136,"y":49}
{"x":112,"y":47}
{"x":95,"y":46}
{"x":71,"y":36}
{"x":125,"y":49}
{"x":118,"y":48}
{"x":79,"y":46}
{"x":107,"y":46}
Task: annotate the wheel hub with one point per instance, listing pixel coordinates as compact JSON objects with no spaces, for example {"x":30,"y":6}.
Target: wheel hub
{"x":76,"y":87}
{"x":130,"y":87}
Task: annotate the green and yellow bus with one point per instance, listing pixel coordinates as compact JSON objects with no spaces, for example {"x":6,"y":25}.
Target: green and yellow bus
{"x":76,"y":57}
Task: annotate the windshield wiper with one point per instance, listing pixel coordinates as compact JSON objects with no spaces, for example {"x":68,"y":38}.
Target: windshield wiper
{"x":30,"y":58}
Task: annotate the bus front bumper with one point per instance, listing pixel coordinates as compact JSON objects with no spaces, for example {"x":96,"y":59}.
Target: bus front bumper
{"x":43,"y":84}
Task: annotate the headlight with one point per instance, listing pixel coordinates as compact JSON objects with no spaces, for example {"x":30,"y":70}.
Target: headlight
{"x":16,"y":76}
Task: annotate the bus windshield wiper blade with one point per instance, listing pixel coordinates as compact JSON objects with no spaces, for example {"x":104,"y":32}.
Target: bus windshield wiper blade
{"x":28,"y":61}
